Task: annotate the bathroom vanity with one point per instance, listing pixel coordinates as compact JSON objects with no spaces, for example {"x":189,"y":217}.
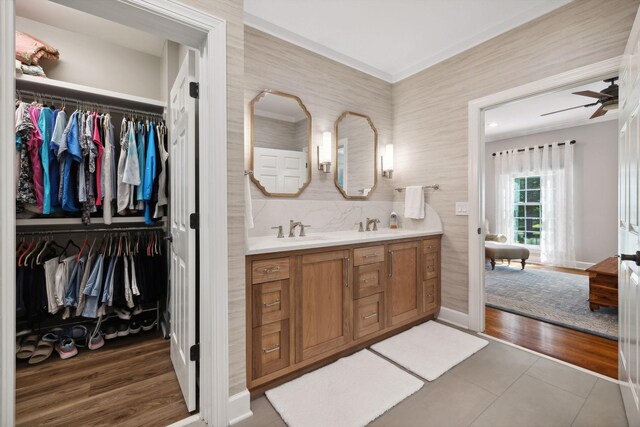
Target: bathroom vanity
{"x":312,"y":300}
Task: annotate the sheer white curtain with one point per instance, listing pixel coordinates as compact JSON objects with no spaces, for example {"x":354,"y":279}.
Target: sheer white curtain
{"x":557,"y":239}
{"x":554,"y":166}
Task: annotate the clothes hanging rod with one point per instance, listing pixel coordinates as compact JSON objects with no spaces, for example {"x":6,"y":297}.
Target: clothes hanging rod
{"x":79,"y":103}
{"x":424,"y":187}
{"x":91,"y":230}
{"x":520,"y":150}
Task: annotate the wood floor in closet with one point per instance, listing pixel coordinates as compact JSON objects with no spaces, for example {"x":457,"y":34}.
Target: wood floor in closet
{"x":128,"y":382}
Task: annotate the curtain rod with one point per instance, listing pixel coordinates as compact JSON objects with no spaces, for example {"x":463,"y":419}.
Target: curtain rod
{"x":80,"y":103}
{"x":573,"y":141}
{"x":91,"y":230}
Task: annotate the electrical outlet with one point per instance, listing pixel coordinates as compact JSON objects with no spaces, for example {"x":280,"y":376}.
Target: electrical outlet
{"x":461,"y":208}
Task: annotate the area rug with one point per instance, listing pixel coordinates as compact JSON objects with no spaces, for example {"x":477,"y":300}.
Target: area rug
{"x":430,"y":349}
{"x":351,"y":392}
{"x":551,"y":296}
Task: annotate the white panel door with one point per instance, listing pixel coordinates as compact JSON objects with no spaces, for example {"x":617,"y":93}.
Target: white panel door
{"x":629,"y":228}
{"x":280,"y":171}
{"x":183,"y":203}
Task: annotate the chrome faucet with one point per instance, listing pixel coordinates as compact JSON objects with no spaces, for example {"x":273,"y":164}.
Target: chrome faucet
{"x":292,"y":227}
{"x":360,"y":227}
{"x":280,"y":233}
{"x":375,"y":222}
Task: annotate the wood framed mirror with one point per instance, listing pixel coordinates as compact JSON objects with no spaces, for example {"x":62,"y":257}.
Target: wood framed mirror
{"x":356,"y":154}
{"x":280,"y":144}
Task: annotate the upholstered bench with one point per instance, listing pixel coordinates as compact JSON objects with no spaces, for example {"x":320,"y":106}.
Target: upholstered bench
{"x":496,"y":250}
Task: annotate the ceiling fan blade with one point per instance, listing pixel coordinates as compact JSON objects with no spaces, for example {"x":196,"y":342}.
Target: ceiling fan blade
{"x":599,"y":112}
{"x":567,"y":109}
{"x":592,"y":94}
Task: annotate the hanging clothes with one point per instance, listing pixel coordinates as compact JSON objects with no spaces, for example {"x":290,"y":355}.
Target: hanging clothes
{"x":162,"y":178}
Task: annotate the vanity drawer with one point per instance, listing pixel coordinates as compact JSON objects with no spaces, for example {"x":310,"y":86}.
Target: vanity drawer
{"x":270,"y":348}
{"x":269,"y":270}
{"x":270,"y":302}
{"x":368,"y":279}
{"x":429,"y":289}
{"x":430,"y":245}
{"x":368,"y":315}
{"x":370,"y":255}
{"x":430,"y":266}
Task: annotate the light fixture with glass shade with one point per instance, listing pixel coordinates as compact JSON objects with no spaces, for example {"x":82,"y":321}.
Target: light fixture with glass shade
{"x":386,"y":161}
{"x":324,"y":153}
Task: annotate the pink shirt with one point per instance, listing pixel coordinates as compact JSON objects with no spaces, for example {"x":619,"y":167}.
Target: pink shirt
{"x":33,"y":147}
{"x":96,"y":140}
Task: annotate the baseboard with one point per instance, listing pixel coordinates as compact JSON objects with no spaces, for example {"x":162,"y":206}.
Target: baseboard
{"x":584,"y":265}
{"x":454,"y":317}
{"x":192,"y":420}
{"x":239,"y":407}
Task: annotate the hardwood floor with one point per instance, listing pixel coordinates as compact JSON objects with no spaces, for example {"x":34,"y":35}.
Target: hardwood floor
{"x":588,"y":351}
{"x":128,"y":382}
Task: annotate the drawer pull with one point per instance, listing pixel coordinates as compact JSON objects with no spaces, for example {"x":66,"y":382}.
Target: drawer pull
{"x":270,"y":270}
{"x":272,"y":349}
{"x":369,"y":316}
{"x":271,"y":304}
{"x":430,"y":267}
{"x":370,"y":256}
{"x":365,"y":280}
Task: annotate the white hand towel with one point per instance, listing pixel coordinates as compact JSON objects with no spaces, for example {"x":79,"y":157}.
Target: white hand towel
{"x":414,"y":202}
{"x":248,"y":208}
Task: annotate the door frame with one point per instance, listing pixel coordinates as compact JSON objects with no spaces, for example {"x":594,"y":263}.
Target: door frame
{"x":207,"y":34}
{"x":476,"y":182}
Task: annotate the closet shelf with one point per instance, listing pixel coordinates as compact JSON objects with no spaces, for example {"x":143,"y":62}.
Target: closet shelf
{"x":48,"y":86}
{"x":40,"y":222}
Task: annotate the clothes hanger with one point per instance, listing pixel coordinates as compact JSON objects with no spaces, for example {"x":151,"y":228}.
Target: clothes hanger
{"x":64,"y":251}
{"x":32,"y":252}
{"x":84,"y":244}
{"x":44,"y":247}
{"x":26,"y":250}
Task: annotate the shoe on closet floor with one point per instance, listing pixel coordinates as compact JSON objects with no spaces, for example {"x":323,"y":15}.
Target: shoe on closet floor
{"x":27,"y":347}
{"x":136,"y":325}
{"x":110,"y":330}
{"x":122,"y":313}
{"x":137,"y":310}
{"x":95,"y":340}
{"x":78,"y":333}
{"x":148,"y":324}
{"x":42,"y":352}
{"x":123,"y":329}
{"x":66,"y":348}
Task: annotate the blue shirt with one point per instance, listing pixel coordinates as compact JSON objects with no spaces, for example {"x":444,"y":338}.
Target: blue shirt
{"x":45,"y":124}
{"x":54,"y":167}
{"x":73,"y":154}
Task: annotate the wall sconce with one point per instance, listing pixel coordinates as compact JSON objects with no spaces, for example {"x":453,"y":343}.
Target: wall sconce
{"x":387,"y":169}
{"x":324,"y":153}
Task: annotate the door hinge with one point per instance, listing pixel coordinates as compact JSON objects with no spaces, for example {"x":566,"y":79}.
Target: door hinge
{"x":479,"y":230}
{"x":194,"y":353}
{"x":194,"y":90}
{"x":194,"y":221}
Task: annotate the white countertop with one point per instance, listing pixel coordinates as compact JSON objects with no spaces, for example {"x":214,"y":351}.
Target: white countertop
{"x":271,"y":244}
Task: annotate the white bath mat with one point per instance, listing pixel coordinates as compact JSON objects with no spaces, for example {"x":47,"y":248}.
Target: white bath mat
{"x":430,"y":349}
{"x":351,"y":392}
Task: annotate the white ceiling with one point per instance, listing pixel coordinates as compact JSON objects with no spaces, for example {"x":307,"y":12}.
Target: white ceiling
{"x":391,"y":39}
{"x":279,"y":108}
{"x":50,"y":13}
{"x":524,"y":117}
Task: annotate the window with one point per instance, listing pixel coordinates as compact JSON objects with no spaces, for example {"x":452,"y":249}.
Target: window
{"x":527,"y":210}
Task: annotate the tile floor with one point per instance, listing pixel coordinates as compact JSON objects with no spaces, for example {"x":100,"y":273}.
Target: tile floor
{"x":498,"y":386}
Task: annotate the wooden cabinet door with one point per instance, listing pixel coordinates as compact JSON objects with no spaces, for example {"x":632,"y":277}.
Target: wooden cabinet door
{"x":404,"y":280}
{"x":323,"y":303}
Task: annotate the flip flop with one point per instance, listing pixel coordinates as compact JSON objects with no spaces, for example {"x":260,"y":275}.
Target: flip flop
{"x":28,"y":347}
{"x":42,"y":352}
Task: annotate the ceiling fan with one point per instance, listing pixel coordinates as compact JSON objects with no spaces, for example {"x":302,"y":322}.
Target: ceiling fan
{"x":607,"y":98}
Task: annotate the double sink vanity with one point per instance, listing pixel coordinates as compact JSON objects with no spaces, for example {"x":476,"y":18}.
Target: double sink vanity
{"x":313,"y":299}
{"x":316,"y":297}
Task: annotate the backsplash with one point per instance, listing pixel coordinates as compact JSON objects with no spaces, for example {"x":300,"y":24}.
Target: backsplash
{"x":331,"y":215}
